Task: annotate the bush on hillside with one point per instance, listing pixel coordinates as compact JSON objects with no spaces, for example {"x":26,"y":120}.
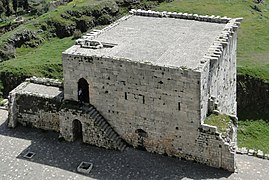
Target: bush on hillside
{"x":77,"y":34}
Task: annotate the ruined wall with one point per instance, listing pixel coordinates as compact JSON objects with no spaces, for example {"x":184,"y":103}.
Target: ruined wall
{"x":39,"y":112}
{"x":34,"y":109}
{"x":216,"y":147}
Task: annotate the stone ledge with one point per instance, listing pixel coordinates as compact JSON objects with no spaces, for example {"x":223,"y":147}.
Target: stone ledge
{"x":45,"y":81}
{"x":252,"y":152}
{"x":196,"y":17}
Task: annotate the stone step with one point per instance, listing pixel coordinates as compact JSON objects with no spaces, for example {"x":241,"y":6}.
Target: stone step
{"x":90,"y":108}
{"x":113,"y":136}
{"x":118,"y":143}
{"x":108,"y":130}
{"x":122,"y":147}
{"x":93,"y":114}
{"x":102,"y":124}
{"x":109,"y":134}
{"x":105,"y":126}
{"x":116,"y":138}
{"x":91,"y":111}
{"x":98,"y":119}
{"x":96,"y":115}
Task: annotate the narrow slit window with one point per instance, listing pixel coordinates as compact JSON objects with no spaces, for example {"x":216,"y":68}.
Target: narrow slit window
{"x":125,"y":95}
{"x":179,"y":106}
{"x":143,"y":99}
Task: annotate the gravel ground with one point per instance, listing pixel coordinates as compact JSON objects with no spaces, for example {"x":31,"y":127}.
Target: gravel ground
{"x":59,"y":160}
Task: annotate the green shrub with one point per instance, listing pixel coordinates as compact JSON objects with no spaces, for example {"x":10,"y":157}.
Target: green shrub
{"x":77,"y":34}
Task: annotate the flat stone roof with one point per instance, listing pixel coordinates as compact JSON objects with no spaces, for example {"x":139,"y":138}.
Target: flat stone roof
{"x":160,"y":41}
{"x":41,"y":90}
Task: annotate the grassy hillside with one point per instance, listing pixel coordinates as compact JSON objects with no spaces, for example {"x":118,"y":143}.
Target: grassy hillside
{"x":253,"y":135}
{"x":253,"y":46}
{"x":253,"y":42}
{"x":39,"y":61}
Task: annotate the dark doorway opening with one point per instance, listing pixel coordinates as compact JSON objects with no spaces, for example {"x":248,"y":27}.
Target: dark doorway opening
{"x":77,"y":130}
{"x":141,"y":136}
{"x":83,"y":91}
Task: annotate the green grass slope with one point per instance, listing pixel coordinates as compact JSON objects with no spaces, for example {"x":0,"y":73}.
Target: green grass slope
{"x":253,"y":39}
{"x":41,"y":61}
{"x":253,"y":135}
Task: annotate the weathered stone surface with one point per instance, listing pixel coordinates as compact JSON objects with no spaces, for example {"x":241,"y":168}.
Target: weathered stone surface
{"x":244,"y":150}
{"x":251,"y":152}
{"x":35,"y":105}
{"x":151,"y":89}
{"x":260,"y":154}
{"x":162,"y":92}
{"x":93,"y":128}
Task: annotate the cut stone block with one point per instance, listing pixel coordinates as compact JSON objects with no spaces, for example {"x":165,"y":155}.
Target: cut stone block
{"x":250,"y":152}
{"x":244,"y":150}
{"x":85,"y":167}
{"x":29,"y":155}
{"x":260,"y":154}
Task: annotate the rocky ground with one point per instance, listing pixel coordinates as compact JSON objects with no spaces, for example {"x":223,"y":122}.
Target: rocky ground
{"x":59,"y":160}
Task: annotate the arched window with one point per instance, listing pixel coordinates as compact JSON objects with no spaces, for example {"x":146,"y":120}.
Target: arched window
{"x":83,"y":91}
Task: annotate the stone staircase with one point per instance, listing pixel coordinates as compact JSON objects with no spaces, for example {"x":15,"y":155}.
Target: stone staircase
{"x":100,"y":121}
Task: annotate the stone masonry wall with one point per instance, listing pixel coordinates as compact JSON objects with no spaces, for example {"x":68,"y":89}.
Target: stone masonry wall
{"x":162,"y":109}
{"x":215,"y":147}
{"x":49,"y":112}
{"x":218,"y":93}
{"x":39,"y":112}
{"x":91,"y":132}
{"x":219,"y":73}
{"x":150,"y":106}
{"x":34,"y":109}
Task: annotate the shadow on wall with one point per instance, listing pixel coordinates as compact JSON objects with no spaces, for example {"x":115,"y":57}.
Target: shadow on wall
{"x":108,"y":164}
{"x":252,"y":98}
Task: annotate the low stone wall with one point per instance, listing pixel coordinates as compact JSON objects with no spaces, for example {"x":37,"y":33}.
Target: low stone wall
{"x":45,"y":81}
{"x":252,"y":152}
{"x":41,"y":112}
{"x":180,"y":15}
{"x":217,"y":149}
{"x":33,"y":109}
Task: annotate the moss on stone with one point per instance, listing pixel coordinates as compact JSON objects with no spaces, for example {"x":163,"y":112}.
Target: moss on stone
{"x":221,"y":121}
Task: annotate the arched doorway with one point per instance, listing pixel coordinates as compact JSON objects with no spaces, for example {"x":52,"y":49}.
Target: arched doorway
{"x":77,"y":130}
{"x":83,"y":91}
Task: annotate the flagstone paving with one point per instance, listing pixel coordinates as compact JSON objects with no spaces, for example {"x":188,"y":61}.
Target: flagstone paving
{"x":56,"y":159}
